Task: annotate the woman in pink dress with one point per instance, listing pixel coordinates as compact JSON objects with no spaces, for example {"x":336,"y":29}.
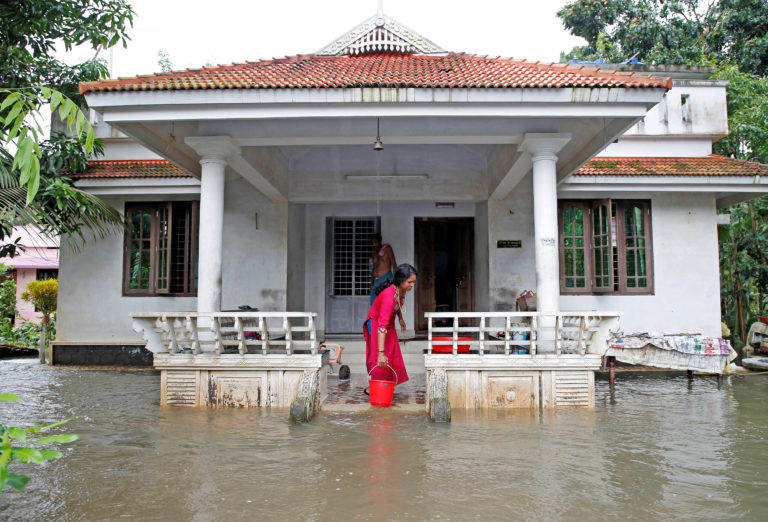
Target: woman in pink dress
{"x":381,"y":345}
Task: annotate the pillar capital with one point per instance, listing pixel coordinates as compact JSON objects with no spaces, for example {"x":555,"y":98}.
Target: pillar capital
{"x":213,"y":149}
{"x":544,"y":146}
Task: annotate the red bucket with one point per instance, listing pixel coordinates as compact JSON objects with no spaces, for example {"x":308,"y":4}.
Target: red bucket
{"x":444,"y":347}
{"x":381,"y":392}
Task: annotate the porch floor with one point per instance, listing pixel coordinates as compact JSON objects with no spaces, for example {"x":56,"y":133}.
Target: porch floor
{"x":348,"y":396}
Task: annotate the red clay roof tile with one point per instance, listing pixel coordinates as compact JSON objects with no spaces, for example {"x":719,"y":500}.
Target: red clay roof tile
{"x":131,"y":169}
{"x":381,"y":70}
{"x":712,"y":165}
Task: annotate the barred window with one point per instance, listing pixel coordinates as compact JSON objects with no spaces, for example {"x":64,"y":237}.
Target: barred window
{"x":351,"y":271}
{"x":605,"y":247}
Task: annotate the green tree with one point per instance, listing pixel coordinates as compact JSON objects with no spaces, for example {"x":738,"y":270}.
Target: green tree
{"x":44,"y":295}
{"x":30,"y":76}
{"x":682,"y":32}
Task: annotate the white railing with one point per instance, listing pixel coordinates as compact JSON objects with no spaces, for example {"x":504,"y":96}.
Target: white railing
{"x":523,"y":333}
{"x":249,"y":332}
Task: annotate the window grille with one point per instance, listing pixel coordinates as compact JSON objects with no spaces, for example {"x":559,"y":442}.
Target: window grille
{"x":351,"y":273}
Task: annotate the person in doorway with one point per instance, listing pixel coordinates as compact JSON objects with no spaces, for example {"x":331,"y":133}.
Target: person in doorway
{"x":382,"y":347}
{"x":383,"y":265}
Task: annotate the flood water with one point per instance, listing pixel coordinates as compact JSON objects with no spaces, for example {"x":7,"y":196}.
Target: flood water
{"x":666,"y":448}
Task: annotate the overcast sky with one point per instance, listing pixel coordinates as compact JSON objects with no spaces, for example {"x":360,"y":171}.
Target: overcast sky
{"x":199,"y":32}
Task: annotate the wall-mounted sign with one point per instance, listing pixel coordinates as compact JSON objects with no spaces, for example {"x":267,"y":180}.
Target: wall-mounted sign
{"x":509,"y":243}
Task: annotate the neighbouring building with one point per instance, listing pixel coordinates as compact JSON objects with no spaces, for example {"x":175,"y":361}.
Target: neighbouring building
{"x":38,"y":259}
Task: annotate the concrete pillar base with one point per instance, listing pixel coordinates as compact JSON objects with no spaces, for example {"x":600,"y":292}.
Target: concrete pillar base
{"x":307,"y":402}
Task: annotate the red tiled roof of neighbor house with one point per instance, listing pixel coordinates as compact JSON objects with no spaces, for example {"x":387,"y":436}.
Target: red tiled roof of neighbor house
{"x":131,"y":169}
{"x":712,"y":165}
{"x":455,"y":70}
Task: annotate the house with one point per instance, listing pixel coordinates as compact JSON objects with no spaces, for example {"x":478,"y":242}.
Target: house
{"x":38,"y":260}
{"x":258,"y":184}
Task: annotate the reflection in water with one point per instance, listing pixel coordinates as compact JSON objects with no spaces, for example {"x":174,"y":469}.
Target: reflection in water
{"x":661,"y":447}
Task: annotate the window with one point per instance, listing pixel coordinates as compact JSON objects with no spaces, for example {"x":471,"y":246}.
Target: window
{"x":351,"y":255}
{"x":47,"y":273}
{"x":605,"y":247}
{"x":161,"y":248}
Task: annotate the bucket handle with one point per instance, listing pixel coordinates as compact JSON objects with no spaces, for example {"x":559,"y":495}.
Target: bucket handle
{"x":388,"y":366}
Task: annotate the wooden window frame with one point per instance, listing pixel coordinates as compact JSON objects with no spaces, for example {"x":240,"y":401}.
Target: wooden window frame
{"x":190,"y":245}
{"x":616,"y":287}
{"x":584,"y":207}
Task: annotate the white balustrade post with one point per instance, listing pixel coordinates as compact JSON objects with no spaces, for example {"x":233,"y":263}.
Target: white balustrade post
{"x":543,"y":149}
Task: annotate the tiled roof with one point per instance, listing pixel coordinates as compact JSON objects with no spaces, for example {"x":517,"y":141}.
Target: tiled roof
{"x":380,"y":70}
{"x":131,"y":169}
{"x":711,"y":165}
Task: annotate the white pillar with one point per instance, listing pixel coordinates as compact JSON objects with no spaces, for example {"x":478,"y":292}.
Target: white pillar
{"x":211,"y":232}
{"x":213,"y":151}
{"x":545,"y":231}
{"x":543,"y":149}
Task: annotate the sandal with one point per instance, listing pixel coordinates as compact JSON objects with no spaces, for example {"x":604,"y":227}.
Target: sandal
{"x":365,"y":391}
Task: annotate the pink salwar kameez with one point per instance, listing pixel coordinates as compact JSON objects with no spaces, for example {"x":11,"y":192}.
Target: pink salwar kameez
{"x":382,"y":319}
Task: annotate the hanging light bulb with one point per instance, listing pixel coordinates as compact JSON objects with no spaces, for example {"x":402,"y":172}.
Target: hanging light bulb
{"x":378,"y":145}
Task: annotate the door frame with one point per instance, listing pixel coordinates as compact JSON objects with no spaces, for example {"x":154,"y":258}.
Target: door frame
{"x":357,"y":305}
{"x":470,"y":221}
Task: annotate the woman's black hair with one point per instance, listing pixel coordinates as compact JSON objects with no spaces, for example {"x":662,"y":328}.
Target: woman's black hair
{"x":402,"y":273}
{"x":381,"y":287}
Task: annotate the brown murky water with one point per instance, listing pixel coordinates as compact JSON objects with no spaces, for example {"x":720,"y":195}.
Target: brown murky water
{"x":666,"y":449}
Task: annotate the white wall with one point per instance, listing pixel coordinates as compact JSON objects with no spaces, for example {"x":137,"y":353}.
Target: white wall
{"x":254,"y":270}
{"x":686,"y":267}
{"x":92,"y":308}
{"x":511,"y":270}
{"x":686,"y":272}
{"x":397,"y":229}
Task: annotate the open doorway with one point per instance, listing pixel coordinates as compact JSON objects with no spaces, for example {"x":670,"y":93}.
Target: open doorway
{"x":444,"y":258}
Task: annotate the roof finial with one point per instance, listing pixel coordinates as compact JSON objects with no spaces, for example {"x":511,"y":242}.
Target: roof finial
{"x":380,"y":10}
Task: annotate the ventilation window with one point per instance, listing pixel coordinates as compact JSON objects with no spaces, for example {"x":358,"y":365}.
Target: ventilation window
{"x":685,"y":107}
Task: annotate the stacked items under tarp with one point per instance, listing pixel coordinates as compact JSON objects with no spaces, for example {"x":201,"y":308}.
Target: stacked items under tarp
{"x":676,"y":352}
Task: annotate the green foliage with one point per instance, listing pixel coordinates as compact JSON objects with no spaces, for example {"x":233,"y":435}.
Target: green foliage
{"x":744,"y":265}
{"x":59,"y":209}
{"x":30,"y":76}
{"x":747,"y":115}
{"x":22,"y":446}
{"x":21,"y":128}
{"x":7,"y":296}
{"x":31,"y":30}
{"x":680,"y":32}
{"x":26,"y":335}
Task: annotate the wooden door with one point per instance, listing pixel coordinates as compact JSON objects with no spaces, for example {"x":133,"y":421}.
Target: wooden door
{"x":460,"y":248}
